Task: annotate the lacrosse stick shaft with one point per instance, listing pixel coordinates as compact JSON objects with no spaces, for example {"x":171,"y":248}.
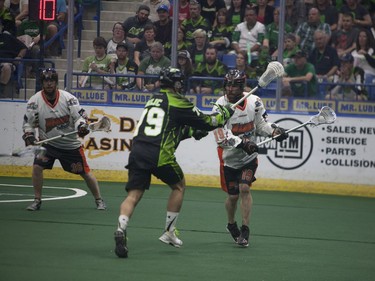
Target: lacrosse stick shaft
{"x":83,"y":83}
{"x":56,"y":137}
{"x":288,"y":131}
{"x":244,"y":97}
{"x":91,"y":128}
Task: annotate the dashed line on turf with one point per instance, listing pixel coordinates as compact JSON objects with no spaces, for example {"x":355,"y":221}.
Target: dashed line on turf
{"x":77,"y":193}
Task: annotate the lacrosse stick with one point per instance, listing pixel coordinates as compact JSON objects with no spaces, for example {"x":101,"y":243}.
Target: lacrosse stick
{"x":274,"y":70}
{"x":83,"y":83}
{"x":104,"y":124}
{"x":326,"y":115}
{"x":31,"y":150}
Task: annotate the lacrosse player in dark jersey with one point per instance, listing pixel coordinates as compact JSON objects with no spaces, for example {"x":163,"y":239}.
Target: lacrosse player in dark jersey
{"x":168,"y":118}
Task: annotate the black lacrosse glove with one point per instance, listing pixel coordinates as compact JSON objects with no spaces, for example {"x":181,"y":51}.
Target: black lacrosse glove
{"x":248,"y":146}
{"x":29,"y":138}
{"x":83,"y":130}
{"x":280,"y":132}
{"x":199,"y":134}
{"x":226,"y":111}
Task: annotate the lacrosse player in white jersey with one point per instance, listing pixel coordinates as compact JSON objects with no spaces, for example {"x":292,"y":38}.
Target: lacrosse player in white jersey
{"x":56,"y":112}
{"x":238,"y":151}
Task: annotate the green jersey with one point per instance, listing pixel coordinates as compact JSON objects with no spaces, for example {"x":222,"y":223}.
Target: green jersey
{"x":166,"y":120}
{"x":103,"y":64}
{"x":298,"y":88}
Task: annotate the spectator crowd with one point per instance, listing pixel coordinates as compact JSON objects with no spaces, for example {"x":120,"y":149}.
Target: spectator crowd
{"x":326,"y":42}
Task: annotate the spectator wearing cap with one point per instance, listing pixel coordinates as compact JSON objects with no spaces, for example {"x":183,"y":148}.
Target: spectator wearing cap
{"x":118,"y":36}
{"x":300,"y":78}
{"x":134,"y":26}
{"x":163,"y":25}
{"x":184,"y":63}
{"x":125,"y":66}
{"x":96,"y":64}
{"x":324,"y":57}
{"x":347,"y":84}
{"x":154,"y":6}
{"x":143,"y":48}
{"x":196,"y":21}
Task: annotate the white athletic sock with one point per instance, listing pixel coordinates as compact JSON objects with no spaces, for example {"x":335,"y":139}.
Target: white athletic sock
{"x":170,"y":221}
{"x":122,"y":223}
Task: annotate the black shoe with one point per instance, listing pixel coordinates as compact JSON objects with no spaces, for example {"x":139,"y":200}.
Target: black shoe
{"x":243,"y":240}
{"x":232,"y":228}
{"x":121,"y":250}
{"x":35,"y":206}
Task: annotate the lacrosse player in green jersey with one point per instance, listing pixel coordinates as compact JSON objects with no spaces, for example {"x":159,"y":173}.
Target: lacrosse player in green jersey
{"x":167,"y":119}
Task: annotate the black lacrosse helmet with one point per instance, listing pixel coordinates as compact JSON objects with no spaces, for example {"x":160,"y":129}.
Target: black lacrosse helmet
{"x":172,"y":77}
{"x":49,"y":74}
{"x":235,"y":77}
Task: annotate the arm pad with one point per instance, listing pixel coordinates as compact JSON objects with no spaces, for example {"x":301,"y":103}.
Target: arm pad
{"x":29,"y":138}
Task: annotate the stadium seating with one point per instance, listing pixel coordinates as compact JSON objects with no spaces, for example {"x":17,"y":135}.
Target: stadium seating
{"x":229,"y":60}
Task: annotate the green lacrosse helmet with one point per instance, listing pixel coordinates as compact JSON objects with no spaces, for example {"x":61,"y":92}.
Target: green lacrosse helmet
{"x":172,"y":77}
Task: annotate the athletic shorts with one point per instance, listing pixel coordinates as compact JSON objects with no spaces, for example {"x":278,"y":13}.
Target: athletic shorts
{"x":234,"y":177}
{"x":72,"y":161}
{"x":141,"y":178}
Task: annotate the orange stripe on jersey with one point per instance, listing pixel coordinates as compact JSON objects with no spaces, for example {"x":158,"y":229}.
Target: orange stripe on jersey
{"x":222,"y":178}
{"x":86,"y":167}
{"x":238,"y":129}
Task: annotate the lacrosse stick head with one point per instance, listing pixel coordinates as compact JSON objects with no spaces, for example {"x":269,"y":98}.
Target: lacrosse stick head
{"x":104,"y":124}
{"x":273,"y":71}
{"x":326,"y":115}
{"x":33,"y":150}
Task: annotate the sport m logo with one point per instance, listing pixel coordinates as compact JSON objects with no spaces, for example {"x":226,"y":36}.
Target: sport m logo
{"x":293,"y":152}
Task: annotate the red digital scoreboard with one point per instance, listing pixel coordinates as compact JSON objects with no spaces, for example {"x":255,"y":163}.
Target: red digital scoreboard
{"x":47,"y":10}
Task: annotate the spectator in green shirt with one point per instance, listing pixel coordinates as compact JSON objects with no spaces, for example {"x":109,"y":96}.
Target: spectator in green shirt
{"x":300,"y":79}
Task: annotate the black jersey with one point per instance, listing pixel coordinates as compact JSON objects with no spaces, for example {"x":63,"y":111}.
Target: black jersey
{"x":162,"y":126}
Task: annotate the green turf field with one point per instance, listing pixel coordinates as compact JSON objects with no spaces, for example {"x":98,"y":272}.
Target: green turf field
{"x":295,"y":236}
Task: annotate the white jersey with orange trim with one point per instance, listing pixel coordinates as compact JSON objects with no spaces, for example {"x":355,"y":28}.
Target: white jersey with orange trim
{"x":248,"y":121}
{"x":62,"y":117}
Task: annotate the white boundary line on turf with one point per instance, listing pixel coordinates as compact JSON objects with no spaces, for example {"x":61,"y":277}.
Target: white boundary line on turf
{"x":77,"y":193}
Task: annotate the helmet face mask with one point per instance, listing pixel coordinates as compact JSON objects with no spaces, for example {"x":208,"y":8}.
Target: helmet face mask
{"x":234,"y":84}
{"x":172,"y":78}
